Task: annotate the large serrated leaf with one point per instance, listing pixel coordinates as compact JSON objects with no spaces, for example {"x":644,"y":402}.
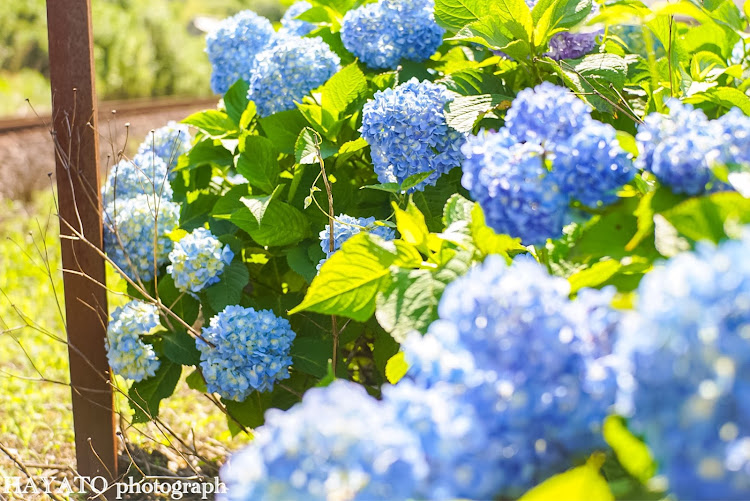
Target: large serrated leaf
{"x":228,"y":290}
{"x":258,"y":163}
{"x":145,"y":396}
{"x":350,"y":279}
{"x":464,"y":112}
{"x":271,"y":222}
{"x":344,"y":89}
{"x":215,"y":123}
{"x":179,"y":347}
{"x":455,"y":14}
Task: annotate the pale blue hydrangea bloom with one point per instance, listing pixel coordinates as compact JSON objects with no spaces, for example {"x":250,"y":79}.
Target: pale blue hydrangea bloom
{"x":535,"y":366}
{"x":739,"y":54}
{"x":591,"y":166}
{"x":734,"y":143}
{"x":167,"y":143}
{"x":128,"y":355}
{"x":546,"y":114}
{"x":461,"y":454}
{"x":382,"y":34}
{"x":408,"y":134}
{"x":198,"y":260}
{"x":681,"y":147}
{"x":131,"y":228}
{"x":286,"y":72}
{"x":345,"y":227}
{"x":292,"y":26}
{"x":509,"y":180}
{"x":338,"y":443}
{"x":143,"y":175}
{"x":688,"y":391}
{"x":250,"y":351}
{"x":233,"y":45}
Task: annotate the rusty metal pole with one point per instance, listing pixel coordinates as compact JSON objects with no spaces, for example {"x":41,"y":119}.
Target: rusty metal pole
{"x":77,"y":155}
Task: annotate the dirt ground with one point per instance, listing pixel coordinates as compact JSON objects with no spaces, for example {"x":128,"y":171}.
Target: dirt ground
{"x":27,"y":156}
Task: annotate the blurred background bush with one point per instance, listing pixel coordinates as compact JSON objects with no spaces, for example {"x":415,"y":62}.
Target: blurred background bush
{"x":143,"y":48}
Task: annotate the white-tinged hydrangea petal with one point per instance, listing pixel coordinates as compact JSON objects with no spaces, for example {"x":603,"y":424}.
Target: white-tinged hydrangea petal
{"x":408,"y":134}
{"x":167,"y":143}
{"x":233,"y":45}
{"x":127,"y":354}
{"x":250,"y":351}
{"x":198,"y":260}
{"x":286,"y":72}
{"x":382,"y":34}
{"x":688,"y":386}
{"x":131,"y":228}
{"x":339,"y":443}
{"x":143,"y":175}
{"x":292,"y":26}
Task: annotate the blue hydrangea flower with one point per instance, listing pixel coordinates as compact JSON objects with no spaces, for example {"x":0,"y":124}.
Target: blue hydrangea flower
{"x":591,"y":166}
{"x":232,"y":47}
{"x":408,"y":134}
{"x":250,"y":351}
{"x":539,"y":375}
{"x":128,"y":355}
{"x":338,"y":443}
{"x":346,"y":227}
{"x":738,"y":53}
{"x":546,"y":113}
{"x":680,"y":148}
{"x":516,"y":192}
{"x":143,"y":175}
{"x":131,"y":228}
{"x":167,"y":143}
{"x":198,"y":261}
{"x":688,"y":346}
{"x":292,"y":26}
{"x":572,"y":45}
{"x":382,"y":34}
{"x":288,"y":71}
{"x":461,"y":454}
{"x":735,"y":141}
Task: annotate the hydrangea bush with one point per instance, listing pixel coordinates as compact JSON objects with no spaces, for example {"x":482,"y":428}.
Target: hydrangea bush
{"x":536,"y":216}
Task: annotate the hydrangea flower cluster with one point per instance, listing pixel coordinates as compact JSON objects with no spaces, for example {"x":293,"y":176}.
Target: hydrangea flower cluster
{"x":339,"y":443}
{"x":687,"y":345}
{"x":508,"y":172}
{"x":167,"y":143}
{"x":289,"y":70}
{"x":345,"y":227}
{"x":135,"y":234}
{"x":198,"y":260}
{"x":534,"y":365}
{"x":232,"y":47}
{"x":591,"y":166}
{"x":572,"y":45}
{"x":384,"y":33}
{"x":681,"y":147}
{"x":511,"y":183}
{"x":546,"y":113}
{"x":244,"y":350}
{"x":128,"y":355}
{"x":408,"y":133}
{"x":292,"y":26}
{"x":143,"y":175}
{"x":512,"y":381}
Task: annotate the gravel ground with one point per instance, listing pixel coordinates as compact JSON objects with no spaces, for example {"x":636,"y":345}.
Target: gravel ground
{"x":27,"y":156}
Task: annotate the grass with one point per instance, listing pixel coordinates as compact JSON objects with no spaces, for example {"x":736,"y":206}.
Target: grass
{"x":37,"y":424}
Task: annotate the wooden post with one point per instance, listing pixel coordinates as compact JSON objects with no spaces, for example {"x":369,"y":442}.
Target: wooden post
{"x":77,"y":155}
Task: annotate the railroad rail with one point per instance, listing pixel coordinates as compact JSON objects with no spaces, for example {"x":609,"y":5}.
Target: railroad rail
{"x":128,"y":107}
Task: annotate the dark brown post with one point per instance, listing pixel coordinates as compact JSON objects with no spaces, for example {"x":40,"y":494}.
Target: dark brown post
{"x":77,"y":154}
